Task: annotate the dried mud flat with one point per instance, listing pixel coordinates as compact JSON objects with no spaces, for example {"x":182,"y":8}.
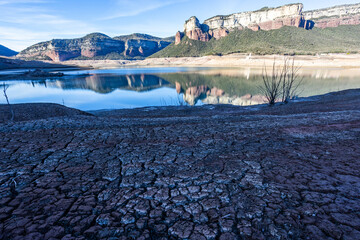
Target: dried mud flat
{"x":211,"y":172}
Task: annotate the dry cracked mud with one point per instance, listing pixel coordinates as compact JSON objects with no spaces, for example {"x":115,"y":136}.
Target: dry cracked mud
{"x":211,"y":172}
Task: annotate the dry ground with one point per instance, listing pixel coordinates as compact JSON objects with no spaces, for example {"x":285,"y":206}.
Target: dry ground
{"x":211,"y":172}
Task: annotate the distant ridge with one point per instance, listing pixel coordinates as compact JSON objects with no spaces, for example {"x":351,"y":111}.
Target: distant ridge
{"x":96,"y":46}
{"x":137,"y":36}
{"x":4,"y":51}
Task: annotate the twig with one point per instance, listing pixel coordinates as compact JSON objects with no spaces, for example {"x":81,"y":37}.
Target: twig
{"x":5,"y":87}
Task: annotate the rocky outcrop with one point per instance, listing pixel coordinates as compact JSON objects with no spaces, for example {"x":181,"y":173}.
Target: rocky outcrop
{"x":340,"y":11}
{"x":265,"y":19}
{"x":219,"y":33}
{"x":4,"y":51}
{"x":136,"y":47}
{"x":335,"y":21}
{"x":270,"y":19}
{"x":196,"y":31}
{"x":335,"y":16}
{"x":178,"y":36}
{"x":96,"y":45}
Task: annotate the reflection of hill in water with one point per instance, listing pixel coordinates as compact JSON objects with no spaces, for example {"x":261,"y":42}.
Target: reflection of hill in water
{"x":213,"y":86}
{"x":102,"y":83}
{"x":241,"y":86}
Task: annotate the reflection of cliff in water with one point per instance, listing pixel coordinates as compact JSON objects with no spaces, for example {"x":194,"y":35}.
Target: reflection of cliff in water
{"x":216,"y":96}
{"x":238,"y":86}
{"x":241,"y":86}
{"x":104,"y":83}
{"x":216,"y":88}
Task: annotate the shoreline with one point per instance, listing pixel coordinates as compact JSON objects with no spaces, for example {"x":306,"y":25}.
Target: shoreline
{"x":58,"y":110}
{"x":226,"y":61}
{"x":233,"y":60}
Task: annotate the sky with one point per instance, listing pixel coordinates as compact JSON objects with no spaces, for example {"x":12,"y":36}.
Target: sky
{"x":26,"y":22}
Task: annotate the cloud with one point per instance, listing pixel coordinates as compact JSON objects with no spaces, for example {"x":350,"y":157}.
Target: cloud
{"x":7,"y":2}
{"x":22,"y":26}
{"x":129,"y":8}
{"x":19,"y":38}
{"x":26,"y":22}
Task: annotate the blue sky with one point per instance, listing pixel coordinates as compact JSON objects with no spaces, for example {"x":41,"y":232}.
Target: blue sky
{"x":26,"y":22}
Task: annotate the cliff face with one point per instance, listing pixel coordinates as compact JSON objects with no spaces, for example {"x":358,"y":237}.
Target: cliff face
{"x":137,"y":47}
{"x":95,"y":45}
{"x":340,"y":11}
{"x":266,"y":19}
{"x":335,"y":16}
{"x":270,"y":19}
{"x":194,"y":30}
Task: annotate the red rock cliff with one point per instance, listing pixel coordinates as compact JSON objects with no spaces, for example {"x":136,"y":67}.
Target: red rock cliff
{"x":270,"y":19}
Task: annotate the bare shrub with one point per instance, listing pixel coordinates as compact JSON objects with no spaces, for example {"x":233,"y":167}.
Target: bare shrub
{"x":291,"y":80}
{"x":283,"y":83}
{"x":272,"y":84}
{"x":5,"y":87}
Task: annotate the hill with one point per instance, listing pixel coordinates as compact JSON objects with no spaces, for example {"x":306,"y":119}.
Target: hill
{"x":4,"y":51}
{"x":282,"y":30}
{"x":96,"y":46}
{"x":140,"y":36}
{"x":10,"y":63}
{"x":286,"y":40}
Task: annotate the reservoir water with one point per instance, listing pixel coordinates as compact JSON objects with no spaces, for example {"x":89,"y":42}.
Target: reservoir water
{"x":143,"y":87}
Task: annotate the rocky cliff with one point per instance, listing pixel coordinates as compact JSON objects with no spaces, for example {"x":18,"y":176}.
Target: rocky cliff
{"x":335,"y":16}
{"x":4,"y":51}
{"x":96,"y":45}
{"x":270,"y":19}
{"x":340,"y":11}
{"x":266,"y":19}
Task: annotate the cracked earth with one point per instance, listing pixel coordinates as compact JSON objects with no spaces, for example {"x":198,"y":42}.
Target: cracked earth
{"x":211,"y":172}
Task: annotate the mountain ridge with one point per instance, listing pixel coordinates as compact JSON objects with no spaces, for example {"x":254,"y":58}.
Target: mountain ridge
{"x":287,"y":40}
{"x":96,"y":46}
{"x":7,"y":52}
{"x":281,"y":30}
{"x":270,"y":19}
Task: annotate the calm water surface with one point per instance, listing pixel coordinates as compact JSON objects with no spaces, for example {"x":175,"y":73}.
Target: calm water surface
{"x":140,"y":87}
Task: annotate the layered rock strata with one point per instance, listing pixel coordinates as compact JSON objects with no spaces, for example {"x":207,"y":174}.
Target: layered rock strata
{"x":95,"y":45}
{"x":270,"y":19}
{"x":289,"y":15}
{"x":343,"y":10}
{"x":335,"y":16}
{"x":266,"y":19}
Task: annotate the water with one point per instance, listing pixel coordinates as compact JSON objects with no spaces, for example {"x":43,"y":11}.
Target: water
{"x":141,"y":87}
